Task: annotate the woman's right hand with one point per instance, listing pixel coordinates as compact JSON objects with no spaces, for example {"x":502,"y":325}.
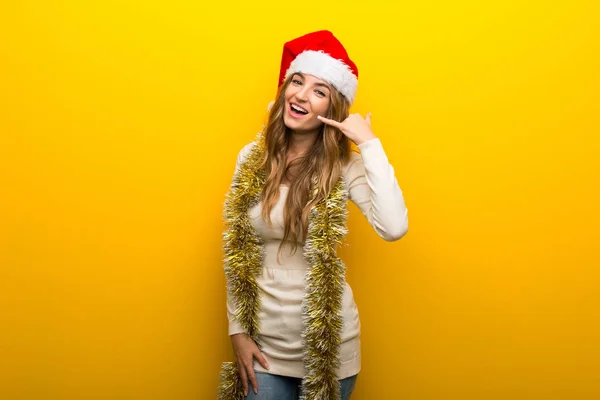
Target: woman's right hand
{"x":246,"y":350}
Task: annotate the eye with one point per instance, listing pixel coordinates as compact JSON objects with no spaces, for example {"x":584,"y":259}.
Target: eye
{"x":297,"y":82}
{"x":320,"y":93}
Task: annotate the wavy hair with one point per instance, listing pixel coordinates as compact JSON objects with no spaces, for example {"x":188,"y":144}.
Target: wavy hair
{"x":323,"y":162}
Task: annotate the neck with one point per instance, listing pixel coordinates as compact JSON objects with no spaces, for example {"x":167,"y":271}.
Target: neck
{"x":300,"y":143}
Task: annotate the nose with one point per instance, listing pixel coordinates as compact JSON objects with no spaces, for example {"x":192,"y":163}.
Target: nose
{"x":302,"y":94}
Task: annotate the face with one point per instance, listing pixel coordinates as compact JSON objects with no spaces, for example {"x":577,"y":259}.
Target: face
{"x":306,"y":97}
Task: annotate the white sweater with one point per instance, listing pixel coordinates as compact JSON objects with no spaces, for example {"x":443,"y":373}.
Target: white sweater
{"x":373,"y":187}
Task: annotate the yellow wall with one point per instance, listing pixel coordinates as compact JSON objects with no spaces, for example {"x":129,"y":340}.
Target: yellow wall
{"x":119,"y":126}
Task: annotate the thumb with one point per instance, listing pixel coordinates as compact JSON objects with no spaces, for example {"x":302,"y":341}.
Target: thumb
{"x":262,"y":360}
{"x":368,"y":118}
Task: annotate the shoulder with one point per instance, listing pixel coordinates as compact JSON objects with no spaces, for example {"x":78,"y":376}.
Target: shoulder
{"x":244,"y":153}
{"x":353,"y":166}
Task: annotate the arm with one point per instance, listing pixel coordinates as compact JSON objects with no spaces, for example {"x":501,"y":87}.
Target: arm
{"x":234,"y":326}
{"x":245,"y":348}
{"x":373,"y":187}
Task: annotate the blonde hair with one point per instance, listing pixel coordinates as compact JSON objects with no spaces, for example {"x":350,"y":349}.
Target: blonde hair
{"x":325,"y":159}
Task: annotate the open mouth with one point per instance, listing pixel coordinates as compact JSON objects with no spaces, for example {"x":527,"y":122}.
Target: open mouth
{"x":297,"y":110}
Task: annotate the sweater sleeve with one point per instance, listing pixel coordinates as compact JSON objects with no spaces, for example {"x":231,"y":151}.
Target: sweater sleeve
{"x":373,"y":187}
{"x":234,"y":326}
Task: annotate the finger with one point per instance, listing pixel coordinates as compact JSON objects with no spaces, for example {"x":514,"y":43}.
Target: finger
{"x":244,"y":377}
{"x":369,"y":118}
{"x":262,"y":360}
{"x":252,"y":378}
{"x":330,"y":122}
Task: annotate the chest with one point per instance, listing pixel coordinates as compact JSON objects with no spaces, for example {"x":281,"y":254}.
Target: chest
{"x":276,"y":229}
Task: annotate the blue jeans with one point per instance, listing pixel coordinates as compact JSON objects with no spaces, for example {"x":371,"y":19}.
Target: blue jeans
{"x":277,"y":387}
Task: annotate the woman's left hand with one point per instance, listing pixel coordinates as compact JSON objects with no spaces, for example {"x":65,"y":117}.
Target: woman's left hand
{"x":357,"y":128}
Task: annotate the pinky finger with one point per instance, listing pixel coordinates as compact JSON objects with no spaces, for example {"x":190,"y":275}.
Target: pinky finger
{"x":329,"y":122}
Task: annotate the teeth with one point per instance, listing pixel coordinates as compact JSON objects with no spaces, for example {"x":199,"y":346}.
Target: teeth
{"x":295,"y":107}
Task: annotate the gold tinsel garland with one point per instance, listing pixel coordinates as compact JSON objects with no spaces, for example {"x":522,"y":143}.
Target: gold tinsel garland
{"x":325,"y":279}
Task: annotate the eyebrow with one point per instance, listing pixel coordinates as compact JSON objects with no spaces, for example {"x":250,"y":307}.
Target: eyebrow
{"x":316,"y":84}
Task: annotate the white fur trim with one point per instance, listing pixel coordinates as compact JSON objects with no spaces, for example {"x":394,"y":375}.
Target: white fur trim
{"x":322,"y":65}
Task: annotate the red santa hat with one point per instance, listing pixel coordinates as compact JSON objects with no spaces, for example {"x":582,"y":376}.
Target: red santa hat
{"x":320,"y":54}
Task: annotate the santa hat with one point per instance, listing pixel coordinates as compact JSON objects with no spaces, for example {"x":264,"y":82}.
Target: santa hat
{"x":320,"y":54}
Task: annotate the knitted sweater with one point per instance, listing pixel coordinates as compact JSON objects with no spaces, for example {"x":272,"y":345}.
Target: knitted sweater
{"x":373,"y":187}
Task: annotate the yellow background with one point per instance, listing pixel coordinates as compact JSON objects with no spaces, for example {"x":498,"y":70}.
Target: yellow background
{"x":120,"y":122}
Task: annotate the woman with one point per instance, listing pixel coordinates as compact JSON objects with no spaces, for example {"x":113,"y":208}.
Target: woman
{"x":293,"y":321}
